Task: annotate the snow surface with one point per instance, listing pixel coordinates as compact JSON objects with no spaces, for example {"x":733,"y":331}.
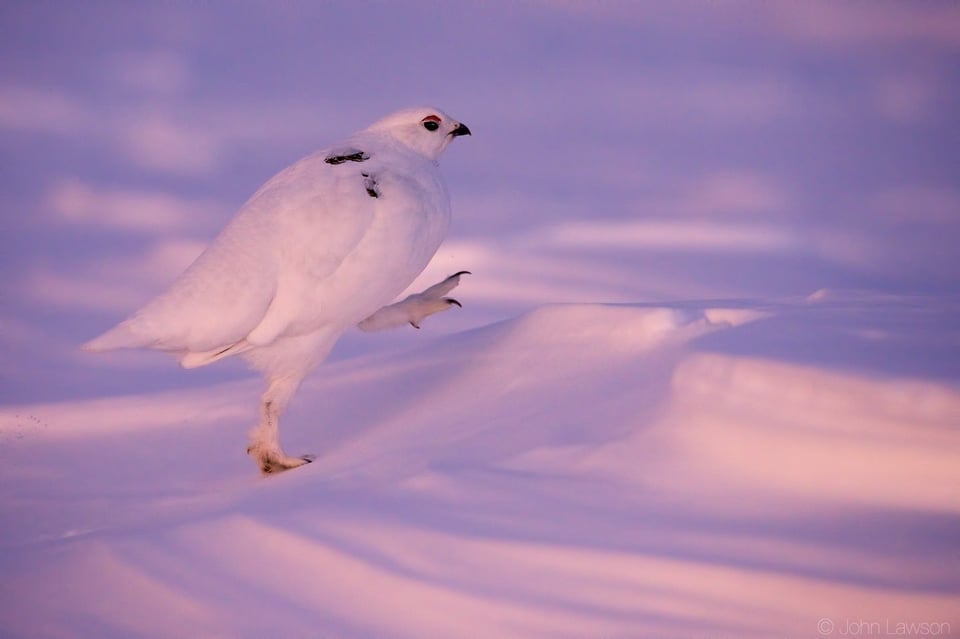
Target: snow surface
{"x":580,"y":471}
{"x":744,"y":422}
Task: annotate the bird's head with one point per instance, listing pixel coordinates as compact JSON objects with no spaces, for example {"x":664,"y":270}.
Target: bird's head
{"x":425,"y":129}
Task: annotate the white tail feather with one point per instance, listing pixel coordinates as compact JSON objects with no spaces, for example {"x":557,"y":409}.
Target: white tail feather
{"x":195,"y":360}
{"x":120,"y":336}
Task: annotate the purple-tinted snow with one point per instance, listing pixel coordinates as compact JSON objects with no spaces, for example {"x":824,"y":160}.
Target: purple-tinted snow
{"x":704,"y":383}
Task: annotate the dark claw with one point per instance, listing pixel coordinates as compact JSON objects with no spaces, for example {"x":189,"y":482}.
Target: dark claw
{"x":458,"y":273}
{"x":450,"y":300}
{"x":308,"y":458}
{"x":415,"y":326}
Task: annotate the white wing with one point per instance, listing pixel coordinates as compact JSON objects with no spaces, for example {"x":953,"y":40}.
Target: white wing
{"x":309,"y":216}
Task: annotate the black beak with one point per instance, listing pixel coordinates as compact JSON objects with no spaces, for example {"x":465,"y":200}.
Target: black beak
{"x":460,"y":130}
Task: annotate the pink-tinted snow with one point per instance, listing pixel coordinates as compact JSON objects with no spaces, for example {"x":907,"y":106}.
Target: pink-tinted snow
{"x":704,"y":383}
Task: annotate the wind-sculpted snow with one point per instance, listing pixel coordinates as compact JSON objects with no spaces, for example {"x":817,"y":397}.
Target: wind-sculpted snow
{"x":581,"y":471}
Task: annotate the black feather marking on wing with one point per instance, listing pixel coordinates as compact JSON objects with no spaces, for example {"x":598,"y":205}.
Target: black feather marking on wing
{"x":370,"y":184}
{"x":358,"y":156}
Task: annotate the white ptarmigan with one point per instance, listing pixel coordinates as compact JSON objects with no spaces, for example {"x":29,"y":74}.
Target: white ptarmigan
{"x":324,"y":245}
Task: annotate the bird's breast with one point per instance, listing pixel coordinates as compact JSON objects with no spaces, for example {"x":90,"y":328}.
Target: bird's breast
{"x":404,"y":225}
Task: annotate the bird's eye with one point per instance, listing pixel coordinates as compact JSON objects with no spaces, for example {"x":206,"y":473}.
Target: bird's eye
{"x":431,"y":123}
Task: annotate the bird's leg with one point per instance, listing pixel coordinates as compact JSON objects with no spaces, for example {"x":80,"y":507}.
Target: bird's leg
{"x":413,"y":309}
{"x":265,"y":438}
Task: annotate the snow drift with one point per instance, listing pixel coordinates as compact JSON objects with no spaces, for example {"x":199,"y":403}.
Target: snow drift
{"x":581,"y":471}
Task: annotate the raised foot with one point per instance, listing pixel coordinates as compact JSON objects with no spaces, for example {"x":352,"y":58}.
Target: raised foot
{"x":271,"y":462}
{"x":433,"y":301}
{"x":413,"y":309}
